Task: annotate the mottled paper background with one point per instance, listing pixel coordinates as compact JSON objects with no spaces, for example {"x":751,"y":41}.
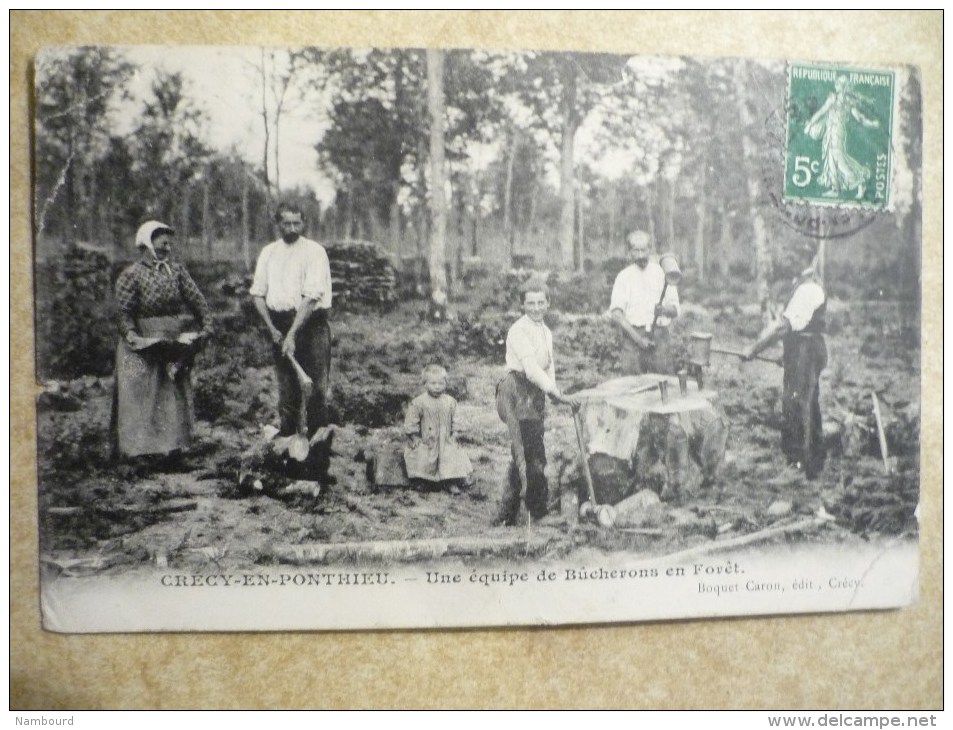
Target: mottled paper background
{"x":875,"y":660}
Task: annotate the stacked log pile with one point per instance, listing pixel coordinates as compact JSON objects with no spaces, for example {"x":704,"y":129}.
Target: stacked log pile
{"x":77,"y":333}
{"x":361,"y":274}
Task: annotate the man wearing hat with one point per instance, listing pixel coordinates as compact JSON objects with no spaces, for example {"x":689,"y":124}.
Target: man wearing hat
{"x":643,"y":308}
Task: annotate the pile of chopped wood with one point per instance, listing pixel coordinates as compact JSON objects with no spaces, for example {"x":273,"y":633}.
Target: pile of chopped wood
{"x":361,"y":274}
{"x":75,"y":320}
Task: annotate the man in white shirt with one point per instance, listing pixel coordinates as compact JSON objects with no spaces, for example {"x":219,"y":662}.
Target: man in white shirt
{"x":521,"y":403}
{"x":801,"y":329}
{"x":292,"y":293}
{"x":641,"y":313}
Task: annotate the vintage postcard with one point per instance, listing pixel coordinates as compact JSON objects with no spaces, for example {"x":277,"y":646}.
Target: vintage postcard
{"x":338,"y":338}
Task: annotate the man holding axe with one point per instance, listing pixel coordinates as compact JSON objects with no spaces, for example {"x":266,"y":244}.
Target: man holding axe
{"x":801,"y":330}
{"x":643,"y":306}
{"x":292,"y":294}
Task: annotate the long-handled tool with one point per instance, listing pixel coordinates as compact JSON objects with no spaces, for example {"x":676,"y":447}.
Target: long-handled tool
{"x":605,"y":513}
{"x":299,"y":445}
{"x":881,"y":436}
{"x":738,"y":353}
{"x":577,"y":422}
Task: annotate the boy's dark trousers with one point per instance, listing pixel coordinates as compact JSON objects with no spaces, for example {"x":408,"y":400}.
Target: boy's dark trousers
{"x":521,"y":406}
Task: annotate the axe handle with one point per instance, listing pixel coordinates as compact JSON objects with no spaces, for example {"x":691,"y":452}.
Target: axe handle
{"x":738,"y":353}
{"x":655,"y":318}
{"x":577,"y":422}
{"x":303,"y":380}
{"x":306,"y":384}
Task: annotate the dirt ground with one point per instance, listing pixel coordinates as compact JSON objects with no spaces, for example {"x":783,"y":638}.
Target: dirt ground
{"x":97,"y":516}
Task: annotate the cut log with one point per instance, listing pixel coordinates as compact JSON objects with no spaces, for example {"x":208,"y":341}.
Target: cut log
{"x":643,"y":509}
{"x":168,"y":507}
{"x":64,"y":511}
{"x":524,"y":544}
{"x":269,"y":461}
{"x":172,"y":506}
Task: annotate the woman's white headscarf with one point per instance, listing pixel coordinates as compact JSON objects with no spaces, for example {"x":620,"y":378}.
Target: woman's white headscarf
{"x":144,"y":240}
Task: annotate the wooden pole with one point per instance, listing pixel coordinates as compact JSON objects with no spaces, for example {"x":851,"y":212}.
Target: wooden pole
{"x":881,"y":436}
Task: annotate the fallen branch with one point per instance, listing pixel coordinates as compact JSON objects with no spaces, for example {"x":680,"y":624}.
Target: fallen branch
{"x":651,"y":531}
{"x":176,"y":505}
{"x":760,"y":535}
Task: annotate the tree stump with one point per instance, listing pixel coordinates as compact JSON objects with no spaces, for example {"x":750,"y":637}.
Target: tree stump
{"x":635,"y":440}
{"x":267,"y":465}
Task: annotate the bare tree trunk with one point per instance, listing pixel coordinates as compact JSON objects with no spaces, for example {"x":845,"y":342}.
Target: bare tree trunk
{"x":394,"y":222}
{"x":69,"y":176}
{"x":206,"y":222}
{"x":438,"y":201}
{"x":349,"y":211}
{"x":475,"y":235}
{"x":760,"y":238}
{"x":567,"y":181}
{"x":246,"y":243}
{"x":650,"y":198}
{"x":184,"y":209}
{"x":278,"y":153}
{"x":508,"y":195}
{"x":665,"y":216}
{"x":700,"y":221}
{"x":581,"y":234}
{"x":724,"y":243}
{"x":91,"y":206}
{"x":610,"y":234}
{"x":264,"y":119}
{"x":531,"y":222}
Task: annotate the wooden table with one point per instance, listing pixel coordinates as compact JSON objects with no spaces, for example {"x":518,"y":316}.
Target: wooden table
{"x":635,"y":440}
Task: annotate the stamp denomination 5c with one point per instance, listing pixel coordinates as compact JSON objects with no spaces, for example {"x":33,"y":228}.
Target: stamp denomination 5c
{"x":839,"y":130}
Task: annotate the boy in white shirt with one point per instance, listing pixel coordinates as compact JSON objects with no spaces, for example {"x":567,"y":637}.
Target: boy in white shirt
{"x":521,"y":403}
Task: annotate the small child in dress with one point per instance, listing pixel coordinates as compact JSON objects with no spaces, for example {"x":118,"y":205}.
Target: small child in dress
{"x":433,"y":454}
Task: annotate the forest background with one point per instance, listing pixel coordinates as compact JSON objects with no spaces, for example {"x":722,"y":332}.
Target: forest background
{"x":43,"y":664}
{"x":455,"y":164}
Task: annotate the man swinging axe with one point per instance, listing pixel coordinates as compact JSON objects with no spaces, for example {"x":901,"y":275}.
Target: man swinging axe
{"x":801,"y":330}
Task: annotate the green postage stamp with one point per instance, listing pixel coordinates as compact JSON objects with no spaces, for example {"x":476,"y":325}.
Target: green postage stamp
{"x":839,"y":131}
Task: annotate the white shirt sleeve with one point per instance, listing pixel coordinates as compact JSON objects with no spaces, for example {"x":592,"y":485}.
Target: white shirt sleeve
{"x":807,"y":298}
{"x":523,"y":349}
{"x":620,"y":294}
{"x":259,"y":286}
{"x":317,"y":277}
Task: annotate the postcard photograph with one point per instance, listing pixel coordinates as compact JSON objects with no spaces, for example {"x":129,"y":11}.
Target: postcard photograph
{"x":340,"y":338}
